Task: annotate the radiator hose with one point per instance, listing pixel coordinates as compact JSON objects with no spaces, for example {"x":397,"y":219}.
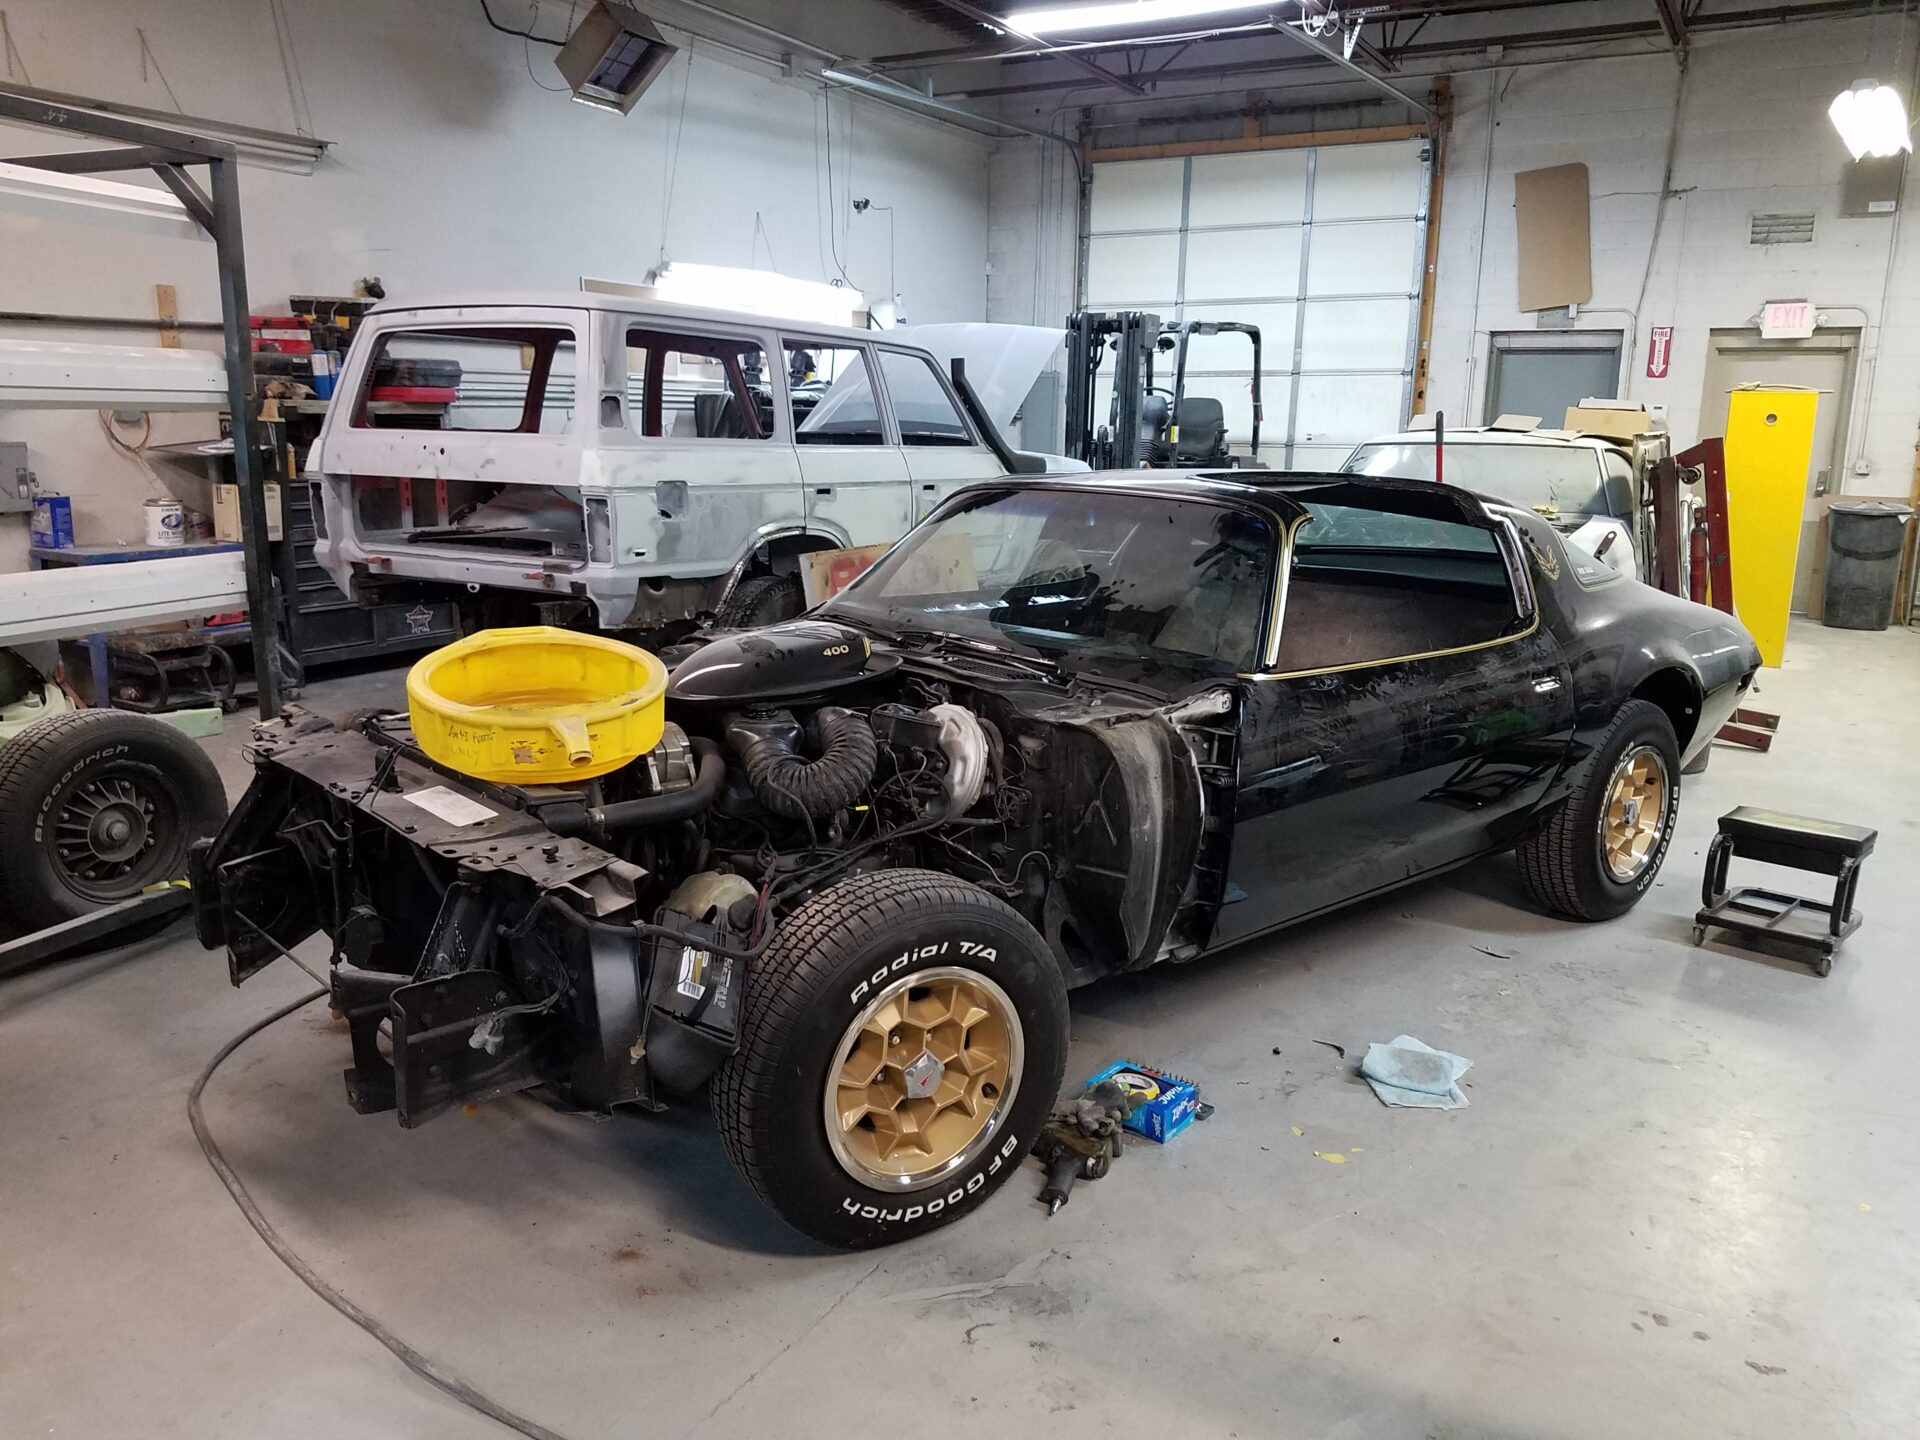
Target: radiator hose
{"x":678,"y":804}
{"x":805,"y":789}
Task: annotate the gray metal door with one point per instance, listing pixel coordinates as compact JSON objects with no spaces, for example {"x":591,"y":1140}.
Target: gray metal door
{"x":1546,"y":380}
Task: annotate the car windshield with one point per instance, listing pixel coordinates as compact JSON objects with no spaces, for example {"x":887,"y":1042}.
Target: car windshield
{"x":1560,"y":482}
{"x":1079,"y":575}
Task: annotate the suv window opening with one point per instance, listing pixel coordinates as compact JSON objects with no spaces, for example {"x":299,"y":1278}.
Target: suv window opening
{"x":735,"y":408}
{"x":473,"y":386}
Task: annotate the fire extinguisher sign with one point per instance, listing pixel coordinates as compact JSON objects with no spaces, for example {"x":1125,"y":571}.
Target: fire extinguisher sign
{"x":1659,"y":351}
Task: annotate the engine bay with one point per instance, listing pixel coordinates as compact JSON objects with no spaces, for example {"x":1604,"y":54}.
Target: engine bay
{"x":597,"y":938}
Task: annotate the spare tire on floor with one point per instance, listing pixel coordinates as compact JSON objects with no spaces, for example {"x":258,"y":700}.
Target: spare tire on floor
{"x":94,"y":807}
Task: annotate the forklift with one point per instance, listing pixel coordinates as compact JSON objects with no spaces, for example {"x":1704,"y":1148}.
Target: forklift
{"x":1149,"y":426}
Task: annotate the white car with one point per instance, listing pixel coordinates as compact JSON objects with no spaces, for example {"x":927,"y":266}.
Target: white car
{"x":1582,"y":484}
{"x":645,"y":460}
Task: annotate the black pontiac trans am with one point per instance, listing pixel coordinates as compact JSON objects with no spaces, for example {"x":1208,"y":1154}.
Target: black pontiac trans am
{"x":1067,"y":727}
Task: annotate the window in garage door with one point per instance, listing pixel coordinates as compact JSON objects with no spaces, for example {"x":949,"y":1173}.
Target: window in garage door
{"x":1322,"y":248}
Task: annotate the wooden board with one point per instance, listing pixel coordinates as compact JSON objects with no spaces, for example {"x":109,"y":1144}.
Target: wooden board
{"x":1552,"y":214}
{"x":167,"y":306}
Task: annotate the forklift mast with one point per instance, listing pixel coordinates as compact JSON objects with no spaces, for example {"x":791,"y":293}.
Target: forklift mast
{"x":1131,"y":336}
{"x":1133,"y":435}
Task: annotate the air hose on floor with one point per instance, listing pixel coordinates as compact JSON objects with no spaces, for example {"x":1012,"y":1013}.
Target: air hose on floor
{"x":427,"y":1369}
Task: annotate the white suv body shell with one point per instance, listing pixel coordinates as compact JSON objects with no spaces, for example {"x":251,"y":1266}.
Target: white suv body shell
{"x":683,"y":516}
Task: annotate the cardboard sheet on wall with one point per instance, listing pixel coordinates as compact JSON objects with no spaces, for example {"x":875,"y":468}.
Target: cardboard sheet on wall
{"x":1553,"y":217}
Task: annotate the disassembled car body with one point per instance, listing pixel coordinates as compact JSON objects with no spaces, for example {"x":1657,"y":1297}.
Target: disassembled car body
{"x":1066,"y":729}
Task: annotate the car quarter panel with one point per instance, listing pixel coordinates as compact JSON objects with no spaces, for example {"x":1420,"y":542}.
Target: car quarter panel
{"x":1620,"y":637}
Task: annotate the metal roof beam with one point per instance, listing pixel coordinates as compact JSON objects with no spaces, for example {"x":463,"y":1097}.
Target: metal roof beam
{"x":1673,"y":22}
{"x":999,"y":22}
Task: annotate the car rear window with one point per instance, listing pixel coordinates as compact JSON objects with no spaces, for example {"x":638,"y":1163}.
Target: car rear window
{"x":509,"y":379}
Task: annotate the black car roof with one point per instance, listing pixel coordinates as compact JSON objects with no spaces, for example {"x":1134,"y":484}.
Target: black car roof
{"x":1279,"y":491}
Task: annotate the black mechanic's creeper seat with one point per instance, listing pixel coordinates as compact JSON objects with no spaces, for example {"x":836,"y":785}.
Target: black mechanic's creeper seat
{"x":1824,"y":847}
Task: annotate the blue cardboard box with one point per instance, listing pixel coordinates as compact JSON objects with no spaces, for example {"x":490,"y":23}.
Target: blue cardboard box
{"x":52,"y":524}
{"x":1166,"y":1103}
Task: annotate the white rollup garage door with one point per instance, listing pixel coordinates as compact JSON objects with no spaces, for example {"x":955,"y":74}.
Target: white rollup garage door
{"x":1322,"y":248}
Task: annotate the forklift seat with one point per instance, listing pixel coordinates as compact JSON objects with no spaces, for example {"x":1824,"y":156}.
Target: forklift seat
{"x":1203,"y":430}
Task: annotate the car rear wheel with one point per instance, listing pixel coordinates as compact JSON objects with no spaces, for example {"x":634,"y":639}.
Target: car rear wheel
{"x":1600,"y":852}
{"x":762,"y":600}
{"x":905,"y":1037}
{"x":95,"y":806}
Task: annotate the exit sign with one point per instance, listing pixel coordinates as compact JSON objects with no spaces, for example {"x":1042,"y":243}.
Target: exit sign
{"x":1787,"y":320}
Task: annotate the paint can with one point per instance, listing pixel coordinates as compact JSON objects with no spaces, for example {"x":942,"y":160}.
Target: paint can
{"x":166,"y":523}
{"x":199,"y":526}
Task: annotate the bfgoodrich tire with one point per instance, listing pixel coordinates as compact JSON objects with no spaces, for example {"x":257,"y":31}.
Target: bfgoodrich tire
{"x":1601,"y":850}
{"x":95,"y":806}
{"x":905,"y":1038}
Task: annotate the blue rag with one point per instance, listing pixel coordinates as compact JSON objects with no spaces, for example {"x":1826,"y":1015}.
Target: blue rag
{"x":1407,"y":1072}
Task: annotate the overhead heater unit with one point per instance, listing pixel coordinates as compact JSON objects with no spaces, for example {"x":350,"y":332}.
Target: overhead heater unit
{"x":613,"y":55}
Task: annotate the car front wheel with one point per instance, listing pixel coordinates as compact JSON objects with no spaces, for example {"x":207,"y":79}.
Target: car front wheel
{"x":1600,"y":851}
{"x":905,"y":1037}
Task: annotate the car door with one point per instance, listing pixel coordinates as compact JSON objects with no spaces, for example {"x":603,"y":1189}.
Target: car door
{"x":939,"y":443}
{"x":1389,"y":753}
{"x":696,"y":462}
{"x":857,"y":485}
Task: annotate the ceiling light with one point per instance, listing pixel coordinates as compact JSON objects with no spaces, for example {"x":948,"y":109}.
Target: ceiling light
{"x":53,"y":196}
{"x":758,"y":292}
{"x":613,"y":55}
{"x":1872,"y":119}
{"x":1055,"y":19}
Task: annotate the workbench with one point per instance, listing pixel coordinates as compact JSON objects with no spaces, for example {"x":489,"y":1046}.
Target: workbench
{"x":68,"y":556}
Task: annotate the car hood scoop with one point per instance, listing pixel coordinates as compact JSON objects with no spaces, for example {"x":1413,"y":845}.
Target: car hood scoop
{"x":781,"y":662}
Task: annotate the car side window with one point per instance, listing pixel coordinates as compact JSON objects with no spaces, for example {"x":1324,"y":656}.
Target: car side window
{"x":921,"y":407}
{"x":697,"y":387}
{"x":832,"y":392}
{"x":1371,"y":586}
{"x":490,"y":378}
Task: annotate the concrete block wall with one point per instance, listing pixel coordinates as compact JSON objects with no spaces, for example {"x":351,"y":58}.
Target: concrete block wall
{"x":1033,"y":190}
{"x":1754,"y":138}
{"x":453,"y":169}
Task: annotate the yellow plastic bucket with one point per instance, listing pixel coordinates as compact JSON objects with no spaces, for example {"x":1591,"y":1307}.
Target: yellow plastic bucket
{"x":537,"y":705}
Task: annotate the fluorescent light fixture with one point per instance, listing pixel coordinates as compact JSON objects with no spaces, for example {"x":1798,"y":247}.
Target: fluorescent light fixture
{"x":53,"y":196}
{"x":758,"y":292}
{"x":1057,"y":18}
{"x":613,"y":55}
{"x":1872,"y":119}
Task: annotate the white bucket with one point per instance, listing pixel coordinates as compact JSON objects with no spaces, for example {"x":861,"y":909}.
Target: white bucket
{"x":166,"y":523}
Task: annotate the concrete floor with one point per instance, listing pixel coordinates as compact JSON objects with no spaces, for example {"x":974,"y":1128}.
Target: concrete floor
{"x":1684,"y":1201}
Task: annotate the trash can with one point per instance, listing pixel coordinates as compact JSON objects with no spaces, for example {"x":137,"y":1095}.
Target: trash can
{"x":1864,"y":541}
